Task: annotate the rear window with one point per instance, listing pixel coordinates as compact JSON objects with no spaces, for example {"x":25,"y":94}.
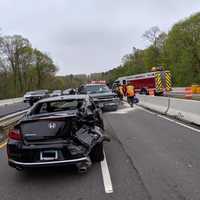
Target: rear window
{"x":57,"y":106}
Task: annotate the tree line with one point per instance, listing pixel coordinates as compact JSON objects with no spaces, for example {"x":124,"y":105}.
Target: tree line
{"x":24,"y":68}
{"x":177,"y":51}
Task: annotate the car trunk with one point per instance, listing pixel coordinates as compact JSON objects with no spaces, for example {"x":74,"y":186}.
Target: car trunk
{"x":46,"y":129}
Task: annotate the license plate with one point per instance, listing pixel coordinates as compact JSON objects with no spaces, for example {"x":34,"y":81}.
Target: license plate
{"x":49,"y":155}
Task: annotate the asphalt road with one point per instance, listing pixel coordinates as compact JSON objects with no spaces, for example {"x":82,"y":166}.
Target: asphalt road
{"x":11,"y":108}
{"x":67,"y":184}
{"x":149,"y":158}
{"x":165,"y":154}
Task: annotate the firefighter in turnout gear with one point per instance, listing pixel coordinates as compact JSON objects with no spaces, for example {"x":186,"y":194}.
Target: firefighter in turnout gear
{"x":130,"y":92}
{"x":119,"y":91}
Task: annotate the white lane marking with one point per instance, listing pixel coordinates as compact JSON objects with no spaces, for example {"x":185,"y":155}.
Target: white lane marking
{"x":164,"y":117}
{"x":172,"y":120}
{"x":106,"y":176}
{"x":181,"y":124}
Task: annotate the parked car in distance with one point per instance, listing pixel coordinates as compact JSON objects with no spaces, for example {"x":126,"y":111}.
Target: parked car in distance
{"x":55,"y":93}
{"x":33,"y":96}
{"x":102,"y":96}
{"x":58,"y":131}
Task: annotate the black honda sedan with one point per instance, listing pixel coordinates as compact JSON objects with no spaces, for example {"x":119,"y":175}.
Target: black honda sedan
{"x":58,"y":131}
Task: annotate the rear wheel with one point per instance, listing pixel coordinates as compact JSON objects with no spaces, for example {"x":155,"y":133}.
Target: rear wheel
{"x":97,"y":154}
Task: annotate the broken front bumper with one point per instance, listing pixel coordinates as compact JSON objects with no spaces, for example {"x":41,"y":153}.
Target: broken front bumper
{"x":107,"y":104}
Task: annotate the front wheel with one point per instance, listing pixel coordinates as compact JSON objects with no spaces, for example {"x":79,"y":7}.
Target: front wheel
{"x":97,"y":154}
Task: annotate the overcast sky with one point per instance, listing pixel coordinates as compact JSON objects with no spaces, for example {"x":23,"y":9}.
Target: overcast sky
{"x":84,"y":36}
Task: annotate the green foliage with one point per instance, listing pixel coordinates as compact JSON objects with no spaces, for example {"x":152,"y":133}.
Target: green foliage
{"x":23,"y":68}
{"x":151,"y":57}
{"x":182,"y":48}
{"x":178,"y":51}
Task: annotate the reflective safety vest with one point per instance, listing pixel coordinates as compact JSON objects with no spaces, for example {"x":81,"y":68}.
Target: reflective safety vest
{"x":130,"y":90}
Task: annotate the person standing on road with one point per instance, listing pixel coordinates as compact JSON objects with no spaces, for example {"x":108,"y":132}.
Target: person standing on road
{"x":121,"y":93}
{"x":124,"y":88}
{"x":130,"y":91}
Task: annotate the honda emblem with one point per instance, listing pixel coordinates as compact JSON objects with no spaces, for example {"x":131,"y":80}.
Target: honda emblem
{"x":52,"y":125}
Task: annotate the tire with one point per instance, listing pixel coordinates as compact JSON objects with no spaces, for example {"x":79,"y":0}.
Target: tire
{"x":97,"y":154}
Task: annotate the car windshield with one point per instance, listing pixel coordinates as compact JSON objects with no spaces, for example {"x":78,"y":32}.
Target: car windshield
{"x":91,"y":89}
{"x":57,"y":106}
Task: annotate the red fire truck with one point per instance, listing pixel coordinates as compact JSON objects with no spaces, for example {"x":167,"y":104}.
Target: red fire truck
{"x":158,"y":81}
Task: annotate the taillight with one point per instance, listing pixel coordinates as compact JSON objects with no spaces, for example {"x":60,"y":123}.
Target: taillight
{"x":15,"y":134}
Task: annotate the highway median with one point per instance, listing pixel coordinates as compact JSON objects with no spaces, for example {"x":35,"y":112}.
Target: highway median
{"x":185,"y":110}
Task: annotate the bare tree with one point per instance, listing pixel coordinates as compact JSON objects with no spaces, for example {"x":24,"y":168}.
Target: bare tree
{"x":152,"y":35}
{"x":11,"y":48}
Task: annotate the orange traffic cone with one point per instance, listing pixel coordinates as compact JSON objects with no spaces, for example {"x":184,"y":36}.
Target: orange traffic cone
{"x":151,"y":92}
{"x":188,"y":92}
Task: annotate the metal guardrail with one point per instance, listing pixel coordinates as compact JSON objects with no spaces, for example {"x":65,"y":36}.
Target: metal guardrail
{"x":10,"y":119}
{"x":10,"y":101}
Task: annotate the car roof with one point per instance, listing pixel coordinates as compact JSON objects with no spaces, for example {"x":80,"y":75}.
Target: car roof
{"x":64,"y":97}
